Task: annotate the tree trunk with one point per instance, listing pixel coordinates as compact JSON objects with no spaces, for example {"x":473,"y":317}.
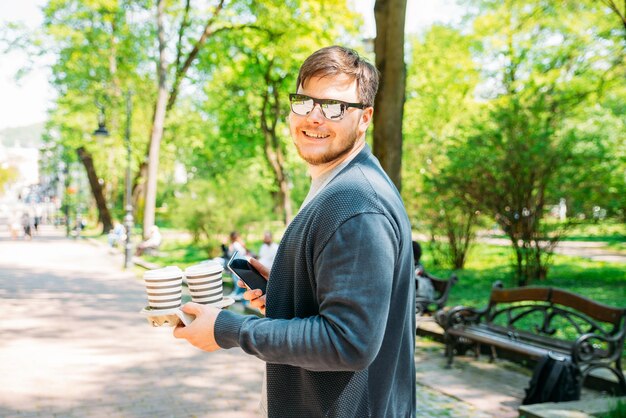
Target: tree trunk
{"x":459,"y":232}
{"x":389,"y":105}
{"x":157,"y":128}
{"x":270,"y":115}
{"x":96,"y":189}
{"x":145,"y":184}
{"x":276,"y":159}
{"x":139,"y":190}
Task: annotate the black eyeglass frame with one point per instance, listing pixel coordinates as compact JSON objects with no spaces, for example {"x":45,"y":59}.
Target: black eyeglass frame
{"x":344,"y":105}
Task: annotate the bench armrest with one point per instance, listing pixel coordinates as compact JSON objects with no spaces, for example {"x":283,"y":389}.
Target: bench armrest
{"x":461,"y":315}
{"x":591,"y":347}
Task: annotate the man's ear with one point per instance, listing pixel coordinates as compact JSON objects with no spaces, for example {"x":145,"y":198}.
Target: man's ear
{"x":366,"y":118}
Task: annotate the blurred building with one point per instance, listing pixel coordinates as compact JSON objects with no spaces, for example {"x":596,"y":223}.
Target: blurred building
{"x":19,"y":149}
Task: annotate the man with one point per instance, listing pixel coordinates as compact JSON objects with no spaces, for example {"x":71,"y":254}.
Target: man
{"x":339,"y":331}
{"x":268,"y":250}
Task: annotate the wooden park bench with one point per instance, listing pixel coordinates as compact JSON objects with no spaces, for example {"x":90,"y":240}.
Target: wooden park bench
{"x":533,"y":321}
{"x":441,"y":291}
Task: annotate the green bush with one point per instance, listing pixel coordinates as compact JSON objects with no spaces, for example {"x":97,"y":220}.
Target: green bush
{"x":210,"y":210}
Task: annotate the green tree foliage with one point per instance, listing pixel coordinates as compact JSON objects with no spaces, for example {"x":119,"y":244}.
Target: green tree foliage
{"x":245,"y":101}
{"x":546,"y":68}
{"x":105,"y":48}
{"x":210,"y":209}
{"x":596,"y":180}
{"x":441,"y":81}
{"x":99,"y":53}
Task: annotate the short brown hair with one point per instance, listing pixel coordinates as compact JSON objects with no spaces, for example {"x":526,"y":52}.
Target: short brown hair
{"x":335,"y":60}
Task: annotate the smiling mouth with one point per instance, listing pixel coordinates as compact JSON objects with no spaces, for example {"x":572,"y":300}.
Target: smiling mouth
{"x":315,"y":135}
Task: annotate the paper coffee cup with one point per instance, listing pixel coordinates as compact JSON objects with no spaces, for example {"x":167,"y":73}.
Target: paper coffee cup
{"x":164,"y":287}
{"x":205,"y":282}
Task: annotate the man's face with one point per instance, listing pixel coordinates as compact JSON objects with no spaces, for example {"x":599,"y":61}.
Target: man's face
{"x":322,"y":141}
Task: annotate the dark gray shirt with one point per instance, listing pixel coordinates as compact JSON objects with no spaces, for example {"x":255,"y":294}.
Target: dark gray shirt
{"x":339,"y":335}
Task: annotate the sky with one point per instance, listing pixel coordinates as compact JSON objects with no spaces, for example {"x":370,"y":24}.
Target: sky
{"x":25,"y":102}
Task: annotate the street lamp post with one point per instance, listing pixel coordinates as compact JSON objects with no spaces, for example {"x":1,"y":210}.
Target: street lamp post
{"x":128,"y":218}
{"x":128,"y":206}
{"x":66,"y":203}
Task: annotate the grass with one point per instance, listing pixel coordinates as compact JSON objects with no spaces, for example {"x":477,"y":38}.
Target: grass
{"x":177,"y":253}
{"x":601,"y":281}
{"x":611,"y":234}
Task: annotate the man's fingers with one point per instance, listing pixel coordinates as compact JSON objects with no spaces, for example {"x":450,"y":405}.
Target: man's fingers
{"x":258,"y":302}
{"x":192,"y":308}
{"x":252,"y":294}
{"x":180,"y":331}
{"x":241,"y":284}
{"x":265,"y":272}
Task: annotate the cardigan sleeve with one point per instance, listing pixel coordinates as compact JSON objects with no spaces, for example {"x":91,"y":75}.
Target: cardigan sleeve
{"x":354,"y":273}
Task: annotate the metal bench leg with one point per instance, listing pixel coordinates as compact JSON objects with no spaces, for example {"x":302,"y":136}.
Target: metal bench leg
{"x":450,"y":344}
{"x":477,"y":351}
{"x":622,"y":385}
{"x":493,"y":355}
{"x":621,"y":381}
{"x":620,"y":376}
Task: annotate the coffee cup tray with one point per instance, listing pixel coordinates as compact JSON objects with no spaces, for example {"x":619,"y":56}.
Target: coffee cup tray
{"x":166,"y":317}
{"x":173,"y":317}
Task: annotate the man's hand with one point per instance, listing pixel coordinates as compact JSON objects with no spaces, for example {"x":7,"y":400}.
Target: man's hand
{"x":200,"y":333}
{"x":254,"y":295}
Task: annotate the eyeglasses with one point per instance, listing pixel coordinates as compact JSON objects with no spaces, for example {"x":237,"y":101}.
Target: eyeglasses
{"x":331,"y":109}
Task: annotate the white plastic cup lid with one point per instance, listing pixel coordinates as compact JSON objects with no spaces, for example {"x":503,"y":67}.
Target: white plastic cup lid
{"x":169,"y":272}
{"x":207,"y":268}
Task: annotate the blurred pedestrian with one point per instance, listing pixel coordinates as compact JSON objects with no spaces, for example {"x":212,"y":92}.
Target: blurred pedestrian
{"x":27,"y":226}
{"x":268,"y":250}
{"x":116,"y":235}
{"x":236,"y":244}
{"x":37,"y":218}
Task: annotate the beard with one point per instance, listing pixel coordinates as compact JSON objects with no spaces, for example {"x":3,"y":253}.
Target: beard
{"x":334,"y":151}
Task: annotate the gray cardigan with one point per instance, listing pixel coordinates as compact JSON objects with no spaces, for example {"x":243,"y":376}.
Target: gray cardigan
{"x":339,"y":332}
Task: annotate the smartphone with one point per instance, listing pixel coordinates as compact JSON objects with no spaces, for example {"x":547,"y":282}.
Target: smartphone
{"x":241,"y":269}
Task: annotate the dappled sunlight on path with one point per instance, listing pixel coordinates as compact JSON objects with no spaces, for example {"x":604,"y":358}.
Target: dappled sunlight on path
{"x":73,"y":344}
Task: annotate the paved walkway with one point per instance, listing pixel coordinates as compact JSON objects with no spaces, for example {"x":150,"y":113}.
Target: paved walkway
{"x":72,"y":344}
{"x":596,"y":251}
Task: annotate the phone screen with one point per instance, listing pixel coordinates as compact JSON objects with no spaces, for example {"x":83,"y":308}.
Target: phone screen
{"x":241,"y":269}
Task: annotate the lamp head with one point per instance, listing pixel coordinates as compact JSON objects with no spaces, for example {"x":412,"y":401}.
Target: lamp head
{"x":102,"y":130}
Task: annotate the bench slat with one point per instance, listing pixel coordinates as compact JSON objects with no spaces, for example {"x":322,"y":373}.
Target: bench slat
{"x":536,"y":339}
{"x":540,"y":294}
{"x":589,"y":307}
{"x":480,"y":336}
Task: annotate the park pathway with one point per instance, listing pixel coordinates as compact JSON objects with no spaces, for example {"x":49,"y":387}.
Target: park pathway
{"x":596,"y":251}
{"x":72,"y":343}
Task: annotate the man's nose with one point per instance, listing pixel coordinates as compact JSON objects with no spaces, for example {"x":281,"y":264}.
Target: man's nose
{"x":316,"y":114}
